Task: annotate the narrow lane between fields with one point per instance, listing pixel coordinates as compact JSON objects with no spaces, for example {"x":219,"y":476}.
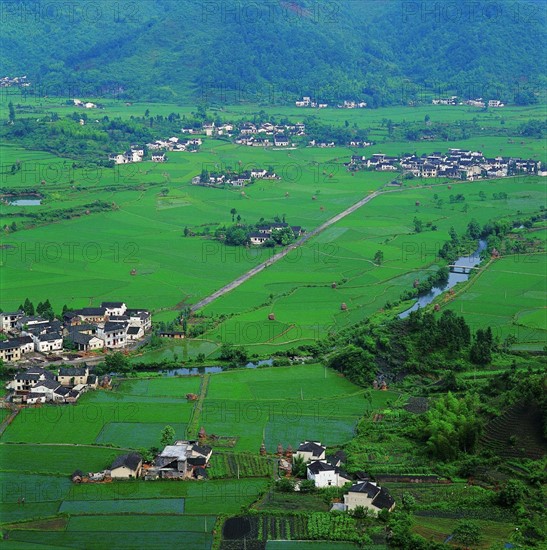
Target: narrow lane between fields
{"x":276,"y":257}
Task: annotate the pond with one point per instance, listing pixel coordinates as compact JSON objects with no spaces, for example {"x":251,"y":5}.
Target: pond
{"x":193,"y":371}
{"x":459,"y":273}
{"x":24,"y":200}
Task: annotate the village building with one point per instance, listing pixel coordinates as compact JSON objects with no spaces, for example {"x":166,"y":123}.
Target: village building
{"x":368,"y":495}
{"x":126,"y":466}
{"x":114,"y":308}
{"x":183,"y":459}
{"x":310,"y":451}
{"x":48,"y":342}
{"x":84,"y":338}
{"x":113,"y":334}
{"x":324,"y":474}
{"x":26,"y":379}
{"x":8,"y":320}
{"x":10,"y":351}
{"x":73,"y":376}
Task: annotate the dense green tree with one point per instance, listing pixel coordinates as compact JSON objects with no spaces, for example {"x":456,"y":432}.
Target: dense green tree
{"x":117,"y":362}
{"x":482,"y":348}
{"x":237,"y":236}
{"x":355,"y":363}
{"x":167,"y":436}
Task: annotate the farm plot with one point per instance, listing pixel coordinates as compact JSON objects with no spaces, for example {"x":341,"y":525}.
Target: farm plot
{"x":26,"y":496}
{"x":517,"y":433}
{"x":137,"y":434}
{"x":120,"y":506}
{"x":83,"y":423}
{"x":161,"y":387}
{"x":125,"y":540}
{"x":315,"y":526}
{"x":509,"y":297}
{"x":439,"y":529}
{"x":54,"y":459}
{"x":207,"y":497}
{"x":225,"y":465}
{"x":319,"y":405}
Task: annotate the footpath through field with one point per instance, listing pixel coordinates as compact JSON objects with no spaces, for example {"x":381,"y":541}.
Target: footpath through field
{"x":276,"y":257}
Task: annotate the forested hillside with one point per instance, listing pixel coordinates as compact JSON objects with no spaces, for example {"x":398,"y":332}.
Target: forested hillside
{"x":175,"y":50}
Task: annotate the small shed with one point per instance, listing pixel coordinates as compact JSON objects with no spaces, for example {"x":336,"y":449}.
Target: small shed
{"x":77,"y":476}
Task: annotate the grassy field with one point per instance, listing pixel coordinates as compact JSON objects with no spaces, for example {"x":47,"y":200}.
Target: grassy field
{"x":285,"y":405}
{"x":298,"y":288}
{"x":510,"y":297}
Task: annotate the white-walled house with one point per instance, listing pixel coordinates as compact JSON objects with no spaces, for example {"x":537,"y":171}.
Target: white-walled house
{"x":114,"y":308}
{"x":134,"y":333}
{"x":8,"y":320}
{"x":368,"y":495}
{"x":114,"y":335}
{"x":47,"y":388}
{"x":139,"y":318}
{"x":126,"y":466}
{"x":324,"y":474}
{"x":73,"y":376}
{"x":23,"y":381}
{"x":311,"y":450}
{"x":50,"y":341}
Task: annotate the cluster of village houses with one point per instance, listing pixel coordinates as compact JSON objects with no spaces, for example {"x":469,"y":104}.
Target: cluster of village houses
{"x":190,"y":459}
{"x":264,"y":232}
{"x":37,"y":385}
{"x":136,"y":153}
{"x":326,"y":471}
{"x":248,"y":133}
{"x":110,"y":326}
{"x":236,"y":180}
{"x":477,"y":102}
{"x":84,"y":104}
{"x":8,"y":81}
{"x":456,"y":164}
{"x":311,"y":103}
{"x":181,"y":460}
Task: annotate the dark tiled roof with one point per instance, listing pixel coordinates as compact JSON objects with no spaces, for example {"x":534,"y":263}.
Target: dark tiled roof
{"x":114,"y":327}
{"x":90,"y":311}
{"x":133,"y":330}
{"x":199,"y":461}
{"x":112,"y":304}
{"x":365,"y":487}
{"x":49,"y":384}
{"x":20,"y":340}
{"x":384,"y":500}
{"x":311,"y":447}
{"x":316,"y":467}
{"x":202,"y":450}
{"x":9,"y":344}
{"x":81,"y":338}
{"x":72,"y":371}
{"x":130,"y":460}
{"x":49,"y":337}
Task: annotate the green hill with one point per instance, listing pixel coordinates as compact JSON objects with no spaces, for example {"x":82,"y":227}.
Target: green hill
{"x":383,"y":52}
